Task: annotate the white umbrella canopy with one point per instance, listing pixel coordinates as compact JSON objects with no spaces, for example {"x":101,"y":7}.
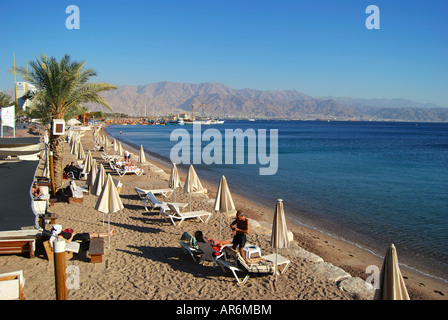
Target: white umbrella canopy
{"x":174,"y":181}
{"x":99,"y":181}
{"x":109,"y":201}
{"x":115,"y":146}
{"x":81,"y":154}
{"x":223,"y":201}
{"x":141,"y":155}
{"x":120,"y":149}
{"x":74,"y":147}
{"x":391,"y":283}
{"x":279,"y":235}
{"x":192,"y":182}
{"x":88,"y":163}
{"x":92,"y":176}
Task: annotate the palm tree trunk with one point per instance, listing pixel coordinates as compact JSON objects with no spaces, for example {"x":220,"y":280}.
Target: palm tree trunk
{"x":58,"y":148}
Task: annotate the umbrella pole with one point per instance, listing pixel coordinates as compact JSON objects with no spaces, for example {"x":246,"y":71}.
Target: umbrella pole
{"x":220,"y":222}
{"x":190,"y":201}
{"x":108,"y":231}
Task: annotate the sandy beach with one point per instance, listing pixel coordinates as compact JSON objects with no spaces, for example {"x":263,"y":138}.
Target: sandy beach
{"x":146,"y":262}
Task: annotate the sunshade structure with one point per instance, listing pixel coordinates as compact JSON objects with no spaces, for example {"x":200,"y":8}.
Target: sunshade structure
{"x":91,"y":177}
{"x":391,"y":283}
{"x":109,"y":201}
{"x":88,"y":163}
{"x":223,"y":201}
{"x":115,"y":146}
{"x":74,"y":147}
{"x":279,"y":236}
{"x":99,"y":181}
{"x":120,"y":149}
{"x":141,"y":155}
{"x":174,"y":181}
{"x":19,"y":146}
{"x":192,"y":182}
{"x":81,"y":154}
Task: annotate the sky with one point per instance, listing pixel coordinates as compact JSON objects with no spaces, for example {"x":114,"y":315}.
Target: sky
{"x":318,"y":47}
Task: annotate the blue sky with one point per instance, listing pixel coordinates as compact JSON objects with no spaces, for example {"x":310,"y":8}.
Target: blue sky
{"x":318,"y":47}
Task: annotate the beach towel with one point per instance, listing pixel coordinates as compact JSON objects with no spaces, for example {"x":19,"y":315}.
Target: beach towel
{"x":192,"y":240}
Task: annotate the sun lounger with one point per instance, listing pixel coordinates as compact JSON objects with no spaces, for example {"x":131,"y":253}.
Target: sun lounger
{"x":210,"y":254}
{"x":14,"y":245}
{"x":77,"y":192}
{"x":164,"y":192}
{"x":11,"y":285}
{"x":192,"y":252}
{"x":235,"y":263}
{"x":122,"y":171}
{"x":151,"y":201}
{"x":173,"y":214}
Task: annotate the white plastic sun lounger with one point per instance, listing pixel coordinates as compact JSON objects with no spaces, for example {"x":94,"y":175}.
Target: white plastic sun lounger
{"x":151,"y":201}
{"x":164,"y":192}
{"x":174,"y":215}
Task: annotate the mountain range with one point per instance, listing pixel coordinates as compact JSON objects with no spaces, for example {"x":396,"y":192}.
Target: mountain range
{"x":222,"y":101}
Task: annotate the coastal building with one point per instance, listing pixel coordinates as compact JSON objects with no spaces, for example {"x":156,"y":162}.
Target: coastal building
{"x":22,"y":89}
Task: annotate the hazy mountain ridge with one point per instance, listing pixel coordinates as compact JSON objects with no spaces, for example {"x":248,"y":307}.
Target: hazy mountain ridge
{"x":162,"y":98}
{"x":223,"y":101}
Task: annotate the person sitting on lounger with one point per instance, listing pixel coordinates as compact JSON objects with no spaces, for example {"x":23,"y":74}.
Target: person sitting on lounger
{"x":83,"y":238}
{"x":76,"y":171}
{"x":216,"y":244}
{"x":36,"y":191}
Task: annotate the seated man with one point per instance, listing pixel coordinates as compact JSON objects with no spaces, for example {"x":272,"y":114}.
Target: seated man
{"x":36,"y":191}
{"x":76,"y":171}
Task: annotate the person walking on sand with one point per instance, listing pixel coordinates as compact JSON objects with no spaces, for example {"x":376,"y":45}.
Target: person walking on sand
{"x":240,"y":228}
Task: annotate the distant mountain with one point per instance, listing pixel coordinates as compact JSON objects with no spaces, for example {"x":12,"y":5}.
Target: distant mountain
{"x":163,"y":98}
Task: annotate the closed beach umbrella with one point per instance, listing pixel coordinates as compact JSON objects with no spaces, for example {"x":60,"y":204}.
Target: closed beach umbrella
{"x":109,"y":201}
{"x":174,"y":181}
{"x":99,"y":181}
{"x":223,"y":201}
{"x":120,"y":149}
{"x":391,"y":283}
{"x":106,"y":142}
{"x":192,"y":183}
{"x":141,"y":155}
{"x":74,"y":148}
{"x":115,"y":146}
{"x":88,"y":163}
{"x":81,"y":154}
{"x":92,"y":176}
{"x":279,"y":236}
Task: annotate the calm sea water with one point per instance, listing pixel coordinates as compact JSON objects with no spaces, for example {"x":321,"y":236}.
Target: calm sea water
{"x":370,"y":183}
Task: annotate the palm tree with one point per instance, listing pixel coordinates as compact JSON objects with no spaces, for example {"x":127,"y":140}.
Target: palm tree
{"x":62,"y":87}
{"x":5,"y":100}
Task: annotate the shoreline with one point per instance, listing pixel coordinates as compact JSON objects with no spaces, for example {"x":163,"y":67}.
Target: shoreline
{"x":349,"y":256}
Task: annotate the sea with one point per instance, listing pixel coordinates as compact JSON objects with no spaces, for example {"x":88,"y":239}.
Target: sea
{"x":367,"y":183}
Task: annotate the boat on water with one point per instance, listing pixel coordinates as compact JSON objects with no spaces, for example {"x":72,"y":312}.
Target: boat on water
{"x":251,"y":119}
{"x":205,"y":121}
{"x":178,"y":122}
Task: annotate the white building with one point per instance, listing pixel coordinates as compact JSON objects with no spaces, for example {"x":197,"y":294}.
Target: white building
{"x":22,"y":88}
